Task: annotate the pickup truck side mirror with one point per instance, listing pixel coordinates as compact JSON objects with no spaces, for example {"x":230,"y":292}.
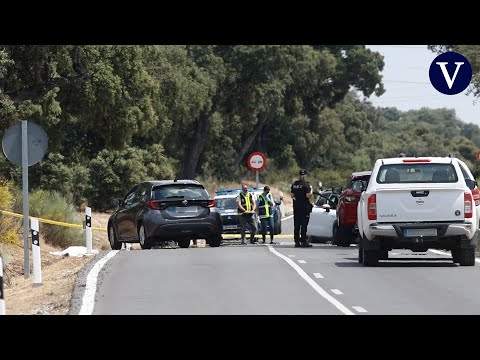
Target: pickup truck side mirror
{"x":116,"y":202}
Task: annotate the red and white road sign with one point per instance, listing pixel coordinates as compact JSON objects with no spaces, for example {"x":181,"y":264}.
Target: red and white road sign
{"x":257,"y":161}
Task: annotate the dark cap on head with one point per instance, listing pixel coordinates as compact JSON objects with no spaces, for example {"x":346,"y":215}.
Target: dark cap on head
{"x":303,"y":172}
{"x":266,"y":188}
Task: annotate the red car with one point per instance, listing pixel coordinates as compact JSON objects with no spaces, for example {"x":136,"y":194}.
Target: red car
{"x":344,"y":227}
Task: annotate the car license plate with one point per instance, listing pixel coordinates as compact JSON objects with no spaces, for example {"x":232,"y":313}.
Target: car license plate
{"x":183,"y":210}
{"x":230,"y":227}
{"x":419,"y":232}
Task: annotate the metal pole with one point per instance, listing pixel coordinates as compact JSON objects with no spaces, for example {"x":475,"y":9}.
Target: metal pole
{"x":256,"y":178}
{"x":26,"y":255}
{"x":36,"y":255}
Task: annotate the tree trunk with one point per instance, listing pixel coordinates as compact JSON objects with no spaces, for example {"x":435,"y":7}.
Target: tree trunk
{"x":194,"y":150}
{"x":249,"y":140}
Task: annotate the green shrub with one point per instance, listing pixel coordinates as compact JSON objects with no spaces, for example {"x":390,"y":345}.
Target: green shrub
{"x":52,"y":205}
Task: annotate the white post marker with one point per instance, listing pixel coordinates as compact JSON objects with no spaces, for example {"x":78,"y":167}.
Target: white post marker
{"x":2,"y":301}
{"x":37,"y":260}
{"x":88,"y":229}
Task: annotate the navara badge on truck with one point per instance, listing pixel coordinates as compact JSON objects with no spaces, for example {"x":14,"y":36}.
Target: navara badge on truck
{"x":420,"y":202}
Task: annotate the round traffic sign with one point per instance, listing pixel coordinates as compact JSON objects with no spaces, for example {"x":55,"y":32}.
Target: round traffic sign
{"x":257,"y":161}
{"x":37,"y":143}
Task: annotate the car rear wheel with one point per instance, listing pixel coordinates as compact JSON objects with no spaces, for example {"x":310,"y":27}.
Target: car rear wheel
{"x":343,"y":235}
{"x":142,"y":238}
{"x":215,"y":241}
{"x":112,"y":238}
{"x":184,"y":243}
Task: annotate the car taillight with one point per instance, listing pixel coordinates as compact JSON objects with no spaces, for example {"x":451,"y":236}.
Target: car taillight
{"x":351,"y":198}
{"x":468,"y":205}
{"x":372,"y":207}
{"x":416,"y":160}
{"x":476,"y":196}
{"x":211,"y":203}
{"x":155,"y":204}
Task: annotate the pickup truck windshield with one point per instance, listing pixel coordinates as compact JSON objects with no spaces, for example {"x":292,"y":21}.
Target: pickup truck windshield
{"x":417,"y":173}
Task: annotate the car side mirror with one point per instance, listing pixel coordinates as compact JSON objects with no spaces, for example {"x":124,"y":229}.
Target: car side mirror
{"x":471,"y":183}
{"x":326,"y":207}
{"x":278,"y":202}
{"x":337,"y":190}
{"x":281,"y":196}
{"x":116,"y":202}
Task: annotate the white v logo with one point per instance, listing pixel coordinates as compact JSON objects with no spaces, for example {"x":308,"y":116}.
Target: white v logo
{"x":445,"y":72}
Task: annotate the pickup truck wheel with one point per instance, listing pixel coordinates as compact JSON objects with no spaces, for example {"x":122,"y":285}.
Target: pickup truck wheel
{"x":455,"y":255}
{"x":370,"y":257}
{"x":466,"y":257}
{"x":383,"y":255}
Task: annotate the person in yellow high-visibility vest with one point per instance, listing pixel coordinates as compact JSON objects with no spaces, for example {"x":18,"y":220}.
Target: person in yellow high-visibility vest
{"x":265,"y":205}
{"x":246,"y":210}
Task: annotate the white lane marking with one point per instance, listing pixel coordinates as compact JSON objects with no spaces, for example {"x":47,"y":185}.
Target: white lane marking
{"x":313,"y":284}
{"x":440,"y":252}
{"x":302,"y":261}
{"x":393,"y":253}
{"x":291,"y":255}
{"x":336,"y":291}
{"x":88,"y":300}
{"x":318,"y":275}
{"x":287,"y":217}
{"x":359,"y":309}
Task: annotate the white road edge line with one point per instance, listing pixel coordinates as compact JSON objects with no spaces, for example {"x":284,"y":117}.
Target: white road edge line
{"x":88,"y":300}
{"x":318,"y":275}
{"x":313,"y":284}
{"x":291,"y":255}
{"x":440,"y":252}
{"x":336,"y":291}
{"x":359,"y":309}
{"x":302,"y":261}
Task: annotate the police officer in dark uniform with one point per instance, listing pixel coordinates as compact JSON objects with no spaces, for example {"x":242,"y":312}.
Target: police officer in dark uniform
{"x":301,"y":193}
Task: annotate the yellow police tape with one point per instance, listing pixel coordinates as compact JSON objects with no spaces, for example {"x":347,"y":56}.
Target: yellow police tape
{"x":4,"y":212}
{"x":53,"y":222}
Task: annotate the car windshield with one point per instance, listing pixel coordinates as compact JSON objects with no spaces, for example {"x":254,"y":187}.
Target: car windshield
{"x":417,"y":173}
{"x":226,"y":203}
{"x":179,"y":191}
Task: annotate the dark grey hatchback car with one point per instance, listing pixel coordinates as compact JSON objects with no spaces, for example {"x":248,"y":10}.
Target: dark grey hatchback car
{"x":158,"y":211}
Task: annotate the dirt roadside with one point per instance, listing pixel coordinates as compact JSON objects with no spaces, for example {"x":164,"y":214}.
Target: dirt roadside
{"x":59,"y":273}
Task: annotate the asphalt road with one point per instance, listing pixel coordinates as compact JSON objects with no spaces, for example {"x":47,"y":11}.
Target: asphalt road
{"x":281,"y":279}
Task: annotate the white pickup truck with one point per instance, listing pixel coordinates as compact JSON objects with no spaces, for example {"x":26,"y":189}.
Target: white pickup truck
{"x":419,"y":204}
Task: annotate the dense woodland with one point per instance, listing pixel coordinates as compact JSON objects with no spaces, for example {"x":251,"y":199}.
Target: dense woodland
{"x":116,"y":115}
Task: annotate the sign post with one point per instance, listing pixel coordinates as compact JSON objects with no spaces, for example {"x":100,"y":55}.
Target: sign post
{"x":256,"y":162}
{"x":25,"y":143}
